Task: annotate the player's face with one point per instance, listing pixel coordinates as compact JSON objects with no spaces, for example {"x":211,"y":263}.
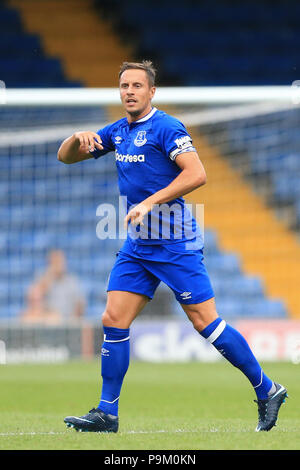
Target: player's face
{"x":136,"y":93}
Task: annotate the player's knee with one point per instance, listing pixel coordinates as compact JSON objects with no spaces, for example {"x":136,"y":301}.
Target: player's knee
{"x":201,"y":315}
{"x":110,"y":317}
{"x":198,"y":324}
{"x":201,"y":321}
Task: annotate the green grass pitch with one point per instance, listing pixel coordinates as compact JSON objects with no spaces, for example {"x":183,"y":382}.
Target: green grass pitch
{"x":187,"y":406}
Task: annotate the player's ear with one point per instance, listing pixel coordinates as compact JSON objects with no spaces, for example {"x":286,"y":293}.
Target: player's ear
{"x":152,"y":91}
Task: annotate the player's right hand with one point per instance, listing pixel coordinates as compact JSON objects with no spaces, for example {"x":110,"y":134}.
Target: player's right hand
{"x":88,"y":141}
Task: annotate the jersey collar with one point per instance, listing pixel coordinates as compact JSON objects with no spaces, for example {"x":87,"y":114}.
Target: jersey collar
{"x":145,"y":118}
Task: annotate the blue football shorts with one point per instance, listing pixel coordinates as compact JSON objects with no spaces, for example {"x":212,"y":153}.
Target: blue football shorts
{"x":140,"y":269}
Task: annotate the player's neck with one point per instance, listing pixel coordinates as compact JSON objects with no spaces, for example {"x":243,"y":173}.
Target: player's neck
{"x":133,"y":117}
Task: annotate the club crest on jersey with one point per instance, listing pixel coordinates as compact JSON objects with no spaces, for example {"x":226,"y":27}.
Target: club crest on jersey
{"x":140,"y":139}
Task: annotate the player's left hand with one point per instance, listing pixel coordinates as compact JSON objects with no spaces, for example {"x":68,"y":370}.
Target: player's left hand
{"x":136,"y":215}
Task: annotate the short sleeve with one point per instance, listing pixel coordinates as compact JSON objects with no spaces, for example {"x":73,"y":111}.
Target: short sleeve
{"x":108,"y":146}
{"x":174,"y":138}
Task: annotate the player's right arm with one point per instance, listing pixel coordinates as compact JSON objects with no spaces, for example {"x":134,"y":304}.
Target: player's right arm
{"x":79,"y":146}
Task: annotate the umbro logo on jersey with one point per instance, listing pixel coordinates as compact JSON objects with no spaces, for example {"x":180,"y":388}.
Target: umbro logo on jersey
{"x":140,"y":139}
{"x":118,"y":139}
{"x":186,"y":295}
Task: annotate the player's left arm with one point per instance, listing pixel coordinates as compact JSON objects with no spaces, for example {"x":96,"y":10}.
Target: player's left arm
{"x":192,"y":176}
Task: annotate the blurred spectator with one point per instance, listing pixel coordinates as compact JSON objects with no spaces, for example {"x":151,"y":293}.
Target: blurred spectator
{"x":56,"y":296}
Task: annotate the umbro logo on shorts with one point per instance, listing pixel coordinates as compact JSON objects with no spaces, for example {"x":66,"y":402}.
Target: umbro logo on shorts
{"x":186,"y":295}
{"x":104,"y":352}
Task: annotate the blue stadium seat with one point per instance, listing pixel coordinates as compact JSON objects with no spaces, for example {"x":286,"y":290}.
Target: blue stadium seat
{"x":262,"y":308}
{"x":238,"y":287}
{"x":210,"y":243}
{"x":218,"y":263}
{"x":297,"y":213}
{"x":23,"y":62}
{"x":244,"y":51}
{"x":270,"y":162}
{"x":286,"y":187}
{"x":10,"y":20}
{"x":11,"y":44}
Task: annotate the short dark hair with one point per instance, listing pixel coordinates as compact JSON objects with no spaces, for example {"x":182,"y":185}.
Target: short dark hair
{"x":146,"y":65}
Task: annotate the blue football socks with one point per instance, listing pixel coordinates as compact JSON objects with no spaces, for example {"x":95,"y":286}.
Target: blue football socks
{"x":229,"y":342}
{"x":114,"y":364}
{"x":233,"y":346}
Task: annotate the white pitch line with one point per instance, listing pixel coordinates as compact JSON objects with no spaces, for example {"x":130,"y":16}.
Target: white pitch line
{"x":31,"y":433}
{"x":159,"y":431}
{"x":52,"y":433}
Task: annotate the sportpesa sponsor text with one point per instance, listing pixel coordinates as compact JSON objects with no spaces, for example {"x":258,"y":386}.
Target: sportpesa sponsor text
{"x":129,"y":158}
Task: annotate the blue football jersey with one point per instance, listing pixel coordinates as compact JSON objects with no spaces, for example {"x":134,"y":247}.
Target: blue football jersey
{"x":145,"y":153}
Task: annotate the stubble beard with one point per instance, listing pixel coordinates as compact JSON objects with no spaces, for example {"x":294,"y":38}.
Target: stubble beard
{"x":136,"y":113}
